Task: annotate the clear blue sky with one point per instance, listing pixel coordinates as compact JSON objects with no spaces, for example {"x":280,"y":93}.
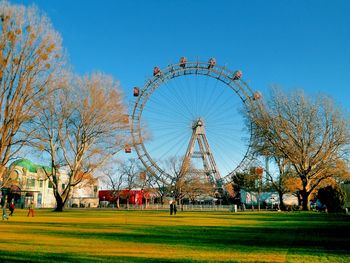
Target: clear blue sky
{"x":295,"y":44}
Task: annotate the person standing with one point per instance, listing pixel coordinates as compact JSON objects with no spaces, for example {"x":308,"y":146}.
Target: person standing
{"x":12,"y":208}
{"x":4,"y":215}
{"x":31,"y":209}
{"x":175,"y":208}
{"x":171,"y":208}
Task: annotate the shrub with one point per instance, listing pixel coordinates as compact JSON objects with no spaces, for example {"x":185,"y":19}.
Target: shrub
{"x":333,"y":197}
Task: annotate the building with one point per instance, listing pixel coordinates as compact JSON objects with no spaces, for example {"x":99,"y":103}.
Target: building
{"x":132,"y":197}
{"x":270,"y":198}
{"x":29,"y":183}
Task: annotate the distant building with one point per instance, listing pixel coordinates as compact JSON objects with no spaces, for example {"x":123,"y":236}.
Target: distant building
{"x":28,"y":182}
{"x":135,"y":196}
{"x":270,"y":198}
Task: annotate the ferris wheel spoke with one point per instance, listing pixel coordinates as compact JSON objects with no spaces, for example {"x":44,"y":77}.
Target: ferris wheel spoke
{"x":158,"y":116}
{"x":164,"y":103}
{"x":173,"y":144}
{"x":217,"y":104}
{"x":212,"y":99}
{"x":226,"y":160}
{"x":170,"y":94}
{"x":227,"y":148}
{"x":226,"y":108}
{"x":177,"y":92}
{"x":167,"y":133}
{"x":206,"y":99}
{"x":225,"y":123}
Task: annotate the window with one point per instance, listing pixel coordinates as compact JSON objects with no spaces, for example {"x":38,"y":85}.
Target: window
{"x":30,"y":182}
{"x":41,"y":183}
{"x":50,"y":184}
{"x":63,"y":186}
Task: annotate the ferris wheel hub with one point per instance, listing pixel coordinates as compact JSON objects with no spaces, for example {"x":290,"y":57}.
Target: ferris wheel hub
{"x":198,"y":123}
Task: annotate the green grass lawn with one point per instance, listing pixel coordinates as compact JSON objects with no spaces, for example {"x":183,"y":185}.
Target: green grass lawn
{"x":154,"y":236}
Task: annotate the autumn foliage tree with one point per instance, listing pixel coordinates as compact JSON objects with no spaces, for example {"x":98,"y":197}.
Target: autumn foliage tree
{"x":312,"y":135}
{"x":80,"y":127}
{"x":30,"y":60}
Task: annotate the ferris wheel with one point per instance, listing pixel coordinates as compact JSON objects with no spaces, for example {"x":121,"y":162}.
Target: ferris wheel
{"x":193,"y":111}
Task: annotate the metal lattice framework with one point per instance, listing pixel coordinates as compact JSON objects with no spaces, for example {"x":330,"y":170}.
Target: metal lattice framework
{"x":173,"y":71}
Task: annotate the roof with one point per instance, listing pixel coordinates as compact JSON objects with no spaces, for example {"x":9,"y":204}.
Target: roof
{"x":30,"y":166}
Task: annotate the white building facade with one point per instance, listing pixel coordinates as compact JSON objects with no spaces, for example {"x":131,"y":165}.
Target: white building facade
{"x":28,"y":183}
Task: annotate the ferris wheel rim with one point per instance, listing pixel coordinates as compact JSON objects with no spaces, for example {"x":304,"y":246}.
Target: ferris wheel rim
{"x":173,"y":71}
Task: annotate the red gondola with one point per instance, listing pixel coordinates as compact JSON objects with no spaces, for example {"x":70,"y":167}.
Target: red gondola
{"x":237,"y":75}
{"x":156,"y":71}
{"x":259,"y":171}
{"x":183,"y":61}
{"x":127,"y":148}
{"x":257,"y":95}
{"x":136,"y":92}
{"x":211,"y":63}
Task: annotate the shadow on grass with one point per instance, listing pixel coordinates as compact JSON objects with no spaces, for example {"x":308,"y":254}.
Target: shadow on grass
{"x":304,"y":234}
{"x":28,"y":257}
{"x":309,"y":237}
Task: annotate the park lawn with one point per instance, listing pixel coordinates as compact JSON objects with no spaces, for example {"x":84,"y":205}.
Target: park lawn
{"x":154,"y":236}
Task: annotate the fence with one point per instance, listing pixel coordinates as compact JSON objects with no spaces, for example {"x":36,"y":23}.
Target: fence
{"x":203,"y":207}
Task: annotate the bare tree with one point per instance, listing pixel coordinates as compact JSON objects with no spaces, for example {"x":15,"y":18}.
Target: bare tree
{"x":115,"y":182}
{"x":86,"y":130}
{"x":145,"y":182}
{"x":160,"y":188}
{"x":30,"y":60}
{"x":284,"y":180}
{"x":130,"y":170}
{"x":311,"y":135}
{"x":177,"y":183}
{"x":196,"y":185}
{"x":189,"y":182}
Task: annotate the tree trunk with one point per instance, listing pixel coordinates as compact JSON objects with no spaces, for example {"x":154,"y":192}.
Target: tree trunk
{"x":59,"y":204}
{"x":118,"y":203}
{"x":282,"y":206}
{"x":305,"y":197}
{"x":299,"y":198}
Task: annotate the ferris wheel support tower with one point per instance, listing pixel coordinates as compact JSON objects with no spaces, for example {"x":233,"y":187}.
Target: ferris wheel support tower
{"x":210,"y":168}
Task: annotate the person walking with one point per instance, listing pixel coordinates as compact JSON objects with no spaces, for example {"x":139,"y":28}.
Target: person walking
{"x":175,"y":208}
{"x":12,"y":208}
{"x":31,"y":209}
{"x":4,"y":215}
